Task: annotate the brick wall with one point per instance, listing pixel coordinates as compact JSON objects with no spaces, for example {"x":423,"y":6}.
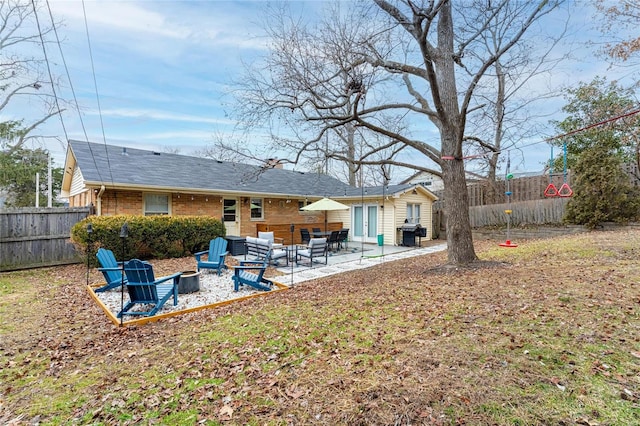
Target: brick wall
{"x":275,"y":210}
{"x":121,"y":202}
{"x":81,"y":200}
{"x":196,"y":205}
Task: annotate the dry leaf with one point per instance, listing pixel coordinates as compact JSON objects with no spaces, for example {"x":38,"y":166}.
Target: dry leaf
{"x":295,"y":393}
{"x":226,"y":411}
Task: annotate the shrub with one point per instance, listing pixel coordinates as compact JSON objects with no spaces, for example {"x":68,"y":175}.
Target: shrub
{"x":602,"y":190}
{"x":157,"y":237}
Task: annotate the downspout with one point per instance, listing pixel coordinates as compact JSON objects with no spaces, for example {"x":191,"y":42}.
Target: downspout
{"x":99,"y":201}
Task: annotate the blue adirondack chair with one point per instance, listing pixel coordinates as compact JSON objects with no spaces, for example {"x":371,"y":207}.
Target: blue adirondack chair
{"x":215,"y":256}
{"x":243,"y":276}
{"x":111,"y":269}
{"x":145,"y":289}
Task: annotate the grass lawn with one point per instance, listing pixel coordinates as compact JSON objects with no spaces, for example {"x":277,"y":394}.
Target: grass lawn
{"x":544,"y":334}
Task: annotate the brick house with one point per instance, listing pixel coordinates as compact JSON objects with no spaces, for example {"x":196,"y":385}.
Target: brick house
{"x":247,"y":198}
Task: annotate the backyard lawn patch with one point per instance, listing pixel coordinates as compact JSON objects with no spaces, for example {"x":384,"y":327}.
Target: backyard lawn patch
{"x":546,"y":333}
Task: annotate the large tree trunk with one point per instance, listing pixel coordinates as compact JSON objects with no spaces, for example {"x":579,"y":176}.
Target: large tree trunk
{"x":452,"y":122}
{"x":351,"y":153}
{"x":459,"y":237}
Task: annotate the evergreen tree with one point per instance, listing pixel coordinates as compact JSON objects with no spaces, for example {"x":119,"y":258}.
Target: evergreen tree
{"x":18,"y":168}
{"x":602,"y":189}
{"x":593,"y":103}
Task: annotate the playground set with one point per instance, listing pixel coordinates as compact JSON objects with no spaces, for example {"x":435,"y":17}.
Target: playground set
{"x":565,"y":190}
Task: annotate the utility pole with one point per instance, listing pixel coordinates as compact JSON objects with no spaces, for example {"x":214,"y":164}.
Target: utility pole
{"x":37,"y":189}
{"x":326,"y":153}
{"x":49,"y":183}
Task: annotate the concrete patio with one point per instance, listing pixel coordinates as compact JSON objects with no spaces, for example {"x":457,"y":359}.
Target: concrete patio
{"x":356,"y":256}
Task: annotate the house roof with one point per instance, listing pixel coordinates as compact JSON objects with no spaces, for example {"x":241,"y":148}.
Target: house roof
{"x":418,"y":174}
{"x":379,"y":191}
{"x":117,"y":166}
{"x":124,"y":167}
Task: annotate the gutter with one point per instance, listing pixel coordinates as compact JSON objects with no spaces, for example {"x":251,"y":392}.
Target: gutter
{"x":99,"y":201}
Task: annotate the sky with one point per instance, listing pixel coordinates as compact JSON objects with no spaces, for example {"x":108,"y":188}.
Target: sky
{"x":164,"y":72}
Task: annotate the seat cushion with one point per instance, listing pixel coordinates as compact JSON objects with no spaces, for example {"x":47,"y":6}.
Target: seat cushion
{"x":277,"y":254}
{"x":263,"y":242}
{"x":317,"y":241}
{"x":266,"y":236}
{"x":304,"y":252}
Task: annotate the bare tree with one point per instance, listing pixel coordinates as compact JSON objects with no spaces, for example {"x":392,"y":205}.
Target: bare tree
{"x":310,"y":89}
{"x":507,"y":98}
{"x":619,"y":17}
{"x":383,"y":62}
{"x":21,"y":73}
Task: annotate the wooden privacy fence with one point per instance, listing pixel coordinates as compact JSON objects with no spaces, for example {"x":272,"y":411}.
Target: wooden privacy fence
{"x":533,"y":212}
{"x":522,"y":189}
{"x":36,"y":237}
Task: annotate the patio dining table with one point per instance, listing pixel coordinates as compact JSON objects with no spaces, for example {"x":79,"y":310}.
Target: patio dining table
{"x":321,"y":234}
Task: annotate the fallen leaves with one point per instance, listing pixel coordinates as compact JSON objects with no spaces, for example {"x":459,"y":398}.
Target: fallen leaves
{"x":226,"y":412}
{"x":294,"y":392}
{"x":402,"y":342}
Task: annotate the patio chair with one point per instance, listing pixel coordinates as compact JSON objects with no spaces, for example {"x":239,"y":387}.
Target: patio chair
{"x":215,"y":256}
{"x":258,"y":248}
{"x":304,"y":235}
{"x":242,"y":274}
{"x":316,"y":249}
{"x":333,"y":240}
{"x":270,"y":236}
{"x":111,"y":270}
{"x":145,"y":289}
{"x":343,"y":238}
{"x":316,"y":230}
{"x":278,"y":253}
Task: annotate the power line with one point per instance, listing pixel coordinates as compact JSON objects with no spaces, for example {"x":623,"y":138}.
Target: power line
{"x":46,"y":59}
{"x":591,"y":126}
{"x":75,"y":99}
{"x":547,"y":140}
{"x":95,"y":84}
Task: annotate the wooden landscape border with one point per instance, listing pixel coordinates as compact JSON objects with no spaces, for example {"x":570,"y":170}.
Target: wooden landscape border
{"x":144,"y":320}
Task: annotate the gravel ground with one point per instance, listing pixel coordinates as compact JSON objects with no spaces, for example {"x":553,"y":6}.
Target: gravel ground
{"x":213,"y":289}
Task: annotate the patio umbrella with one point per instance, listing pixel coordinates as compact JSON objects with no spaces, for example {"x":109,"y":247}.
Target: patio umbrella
{"x":325,"y":204}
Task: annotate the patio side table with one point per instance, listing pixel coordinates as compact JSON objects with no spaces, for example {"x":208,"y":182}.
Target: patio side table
{"x":236,"y":245}
{"x":291,"y":252}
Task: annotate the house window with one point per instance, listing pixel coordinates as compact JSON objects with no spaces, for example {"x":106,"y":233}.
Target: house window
{"x":413,"y":213}
{"x":256,"y":208}
{"x":156,"y":204}
{"x":229,"y":214}
{"x":301,"y":204}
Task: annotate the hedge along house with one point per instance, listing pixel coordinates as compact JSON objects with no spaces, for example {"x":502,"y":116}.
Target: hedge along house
{"x":247,"y":198}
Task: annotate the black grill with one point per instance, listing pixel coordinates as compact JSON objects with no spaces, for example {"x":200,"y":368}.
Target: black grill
{"x":409,"y":233}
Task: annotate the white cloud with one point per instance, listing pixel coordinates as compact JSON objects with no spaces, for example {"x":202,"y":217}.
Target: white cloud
{"x":131,"y":22}
{"x":159,"y":115}
{"x":119,"y":15}
{"x":200,"y":135}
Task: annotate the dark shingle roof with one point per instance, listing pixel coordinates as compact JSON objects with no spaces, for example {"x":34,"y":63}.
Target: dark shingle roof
{"x":376,"y":191}
{"x":106,"y":164}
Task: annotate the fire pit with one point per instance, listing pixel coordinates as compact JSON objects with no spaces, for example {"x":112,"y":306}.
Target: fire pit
{"x":189,"y":282}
